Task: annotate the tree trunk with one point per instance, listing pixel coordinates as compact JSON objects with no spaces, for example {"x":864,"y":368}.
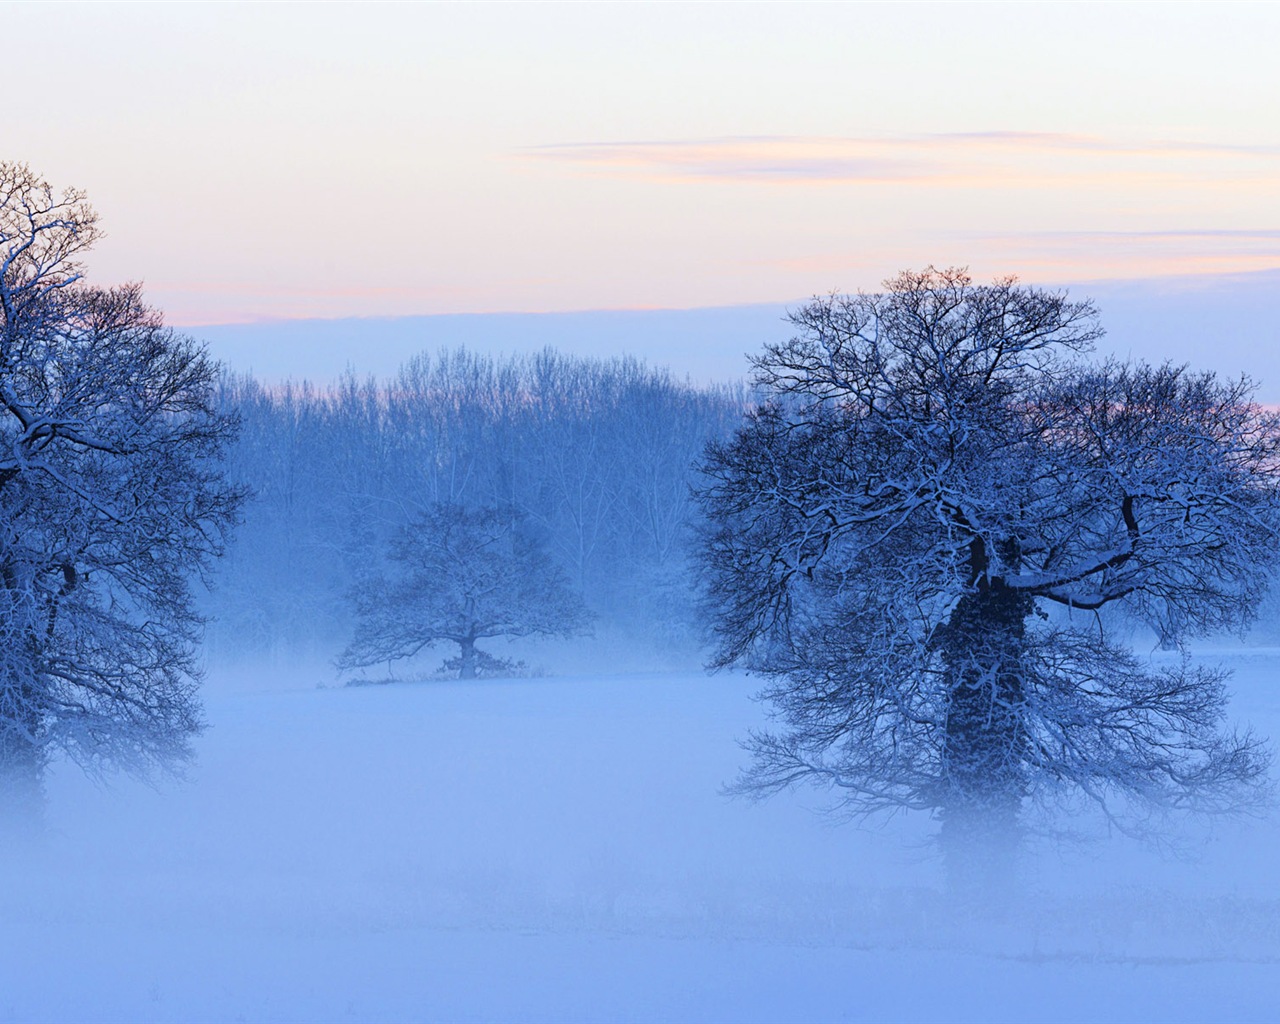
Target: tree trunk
{"x":23,"y":704}
{"x":22,"y":765}
{"x":468,"y":669}
{"x":983,"y":649}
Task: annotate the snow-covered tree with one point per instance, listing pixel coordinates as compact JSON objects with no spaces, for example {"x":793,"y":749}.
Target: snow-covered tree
{"x":934,"y":471}
{"x":596,"y":454}
{"x":460,"y":575}
{"x":111,"y":501}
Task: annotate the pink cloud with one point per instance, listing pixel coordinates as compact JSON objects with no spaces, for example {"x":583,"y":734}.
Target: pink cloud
{"x":964,"y":159}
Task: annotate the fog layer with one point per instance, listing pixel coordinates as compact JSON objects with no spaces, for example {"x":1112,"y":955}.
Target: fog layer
{"x":559,"y":849}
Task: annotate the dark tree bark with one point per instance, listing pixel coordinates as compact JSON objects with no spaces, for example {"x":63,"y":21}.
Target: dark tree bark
{"x":22,"y":758}
{"x":984,"y":650}
{"x":468,"y":668}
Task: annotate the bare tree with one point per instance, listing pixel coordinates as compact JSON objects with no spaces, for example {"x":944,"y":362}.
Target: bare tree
{"x":596,"y":455}
{"x":461,"y":575}
{"x":934,"y":471}
{"x":111,"y":500}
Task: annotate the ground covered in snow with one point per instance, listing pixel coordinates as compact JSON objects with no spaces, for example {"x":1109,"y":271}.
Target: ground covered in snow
{"x":557,"y":849}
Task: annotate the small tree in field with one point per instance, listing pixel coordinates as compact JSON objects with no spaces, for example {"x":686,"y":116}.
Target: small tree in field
{"x":111,"y":503}
{"x":460,"y":575}
{"x":933,"y":471}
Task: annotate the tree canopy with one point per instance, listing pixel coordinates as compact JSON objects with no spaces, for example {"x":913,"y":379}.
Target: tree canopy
{"x":912,"y":534}
{"x":460,"y":575}
{"x":111,"y":501}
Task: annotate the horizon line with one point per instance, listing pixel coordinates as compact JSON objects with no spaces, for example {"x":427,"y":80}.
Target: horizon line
{"x":1156,"y":279}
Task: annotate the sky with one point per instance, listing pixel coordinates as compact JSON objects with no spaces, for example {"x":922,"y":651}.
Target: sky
{"x":1222,"y":322}
{"x":264,"y":162}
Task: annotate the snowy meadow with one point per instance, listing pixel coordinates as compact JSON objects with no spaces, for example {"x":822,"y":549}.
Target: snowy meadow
{"x":558,"y":848}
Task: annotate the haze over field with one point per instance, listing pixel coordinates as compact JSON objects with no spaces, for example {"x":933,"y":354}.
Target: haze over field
{"x":559,"y":849}
{"x":479,"y":285}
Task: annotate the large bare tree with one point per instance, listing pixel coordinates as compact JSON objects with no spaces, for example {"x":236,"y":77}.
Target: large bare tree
{"x":912,"y":535}
{"x":111,"y":504}
{"x":461,"y":575}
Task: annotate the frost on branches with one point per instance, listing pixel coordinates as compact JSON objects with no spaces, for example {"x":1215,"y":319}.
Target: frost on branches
{"x":460,"y":575}
{"x":934,"y":470}
{"x":110,"y":502}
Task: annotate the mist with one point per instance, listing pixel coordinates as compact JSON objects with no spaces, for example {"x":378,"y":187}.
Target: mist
{"x":558,"y":848}
{"x":393,"y":844}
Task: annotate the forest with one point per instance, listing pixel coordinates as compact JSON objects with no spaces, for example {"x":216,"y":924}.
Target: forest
{"x":596,"y":456}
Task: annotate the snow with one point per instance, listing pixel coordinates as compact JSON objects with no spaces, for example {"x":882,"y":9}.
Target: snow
{"x":558,"y":849}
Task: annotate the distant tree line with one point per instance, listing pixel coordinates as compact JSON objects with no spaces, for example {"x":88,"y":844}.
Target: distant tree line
{"x":595,"y":455}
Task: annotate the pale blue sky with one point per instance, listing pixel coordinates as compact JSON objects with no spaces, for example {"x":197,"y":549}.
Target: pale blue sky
{"x":296,"y":160}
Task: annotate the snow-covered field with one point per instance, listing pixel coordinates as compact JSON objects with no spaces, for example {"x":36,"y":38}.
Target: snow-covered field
{"x":557,"y":849}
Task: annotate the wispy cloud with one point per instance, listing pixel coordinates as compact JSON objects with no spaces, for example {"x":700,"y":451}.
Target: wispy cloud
{"x":1055,"y":254}
{"x":1213,"y":243}
{"x":959,"y":158}
{"x":1189,"y":234}
{"x":1137,"y":252}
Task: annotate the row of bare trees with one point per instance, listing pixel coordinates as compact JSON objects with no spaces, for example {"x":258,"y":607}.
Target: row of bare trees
{"x":595,"y":454}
